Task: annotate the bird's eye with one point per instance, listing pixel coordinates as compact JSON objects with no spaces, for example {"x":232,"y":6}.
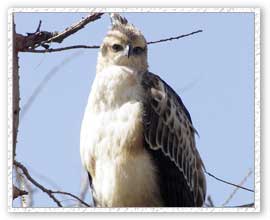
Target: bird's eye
{"x":117,"y":47}
{"x":138,"y":50}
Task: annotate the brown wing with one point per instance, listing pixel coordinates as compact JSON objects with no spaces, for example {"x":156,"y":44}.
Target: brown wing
{"x":169,"y":137}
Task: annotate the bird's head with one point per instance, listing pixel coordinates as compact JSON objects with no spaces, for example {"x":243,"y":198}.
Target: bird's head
{"x":124,"y":45}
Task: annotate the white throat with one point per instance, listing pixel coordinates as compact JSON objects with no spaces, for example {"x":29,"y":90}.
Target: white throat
{"x":114,"y":86}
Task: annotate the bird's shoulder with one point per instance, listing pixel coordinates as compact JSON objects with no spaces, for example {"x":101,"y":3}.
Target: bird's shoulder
{"x":158,"y":88}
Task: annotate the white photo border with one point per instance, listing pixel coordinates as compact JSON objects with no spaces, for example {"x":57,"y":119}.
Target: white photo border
{"x":257,"y":108}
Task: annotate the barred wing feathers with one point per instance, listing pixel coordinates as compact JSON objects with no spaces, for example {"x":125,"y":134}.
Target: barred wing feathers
{"x":169,"y":137}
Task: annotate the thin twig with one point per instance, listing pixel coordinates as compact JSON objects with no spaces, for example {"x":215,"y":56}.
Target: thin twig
{"x":229,"y":183}
{"x":50,"y":50}
{"x":174,"y":38}
{"x":69,"y":194}
{"x":210,"y":201}
{"x":44,"y":178}
{"x":34,"y":182}
{"x":39,"y":25}
{"x":96,"y":46}
{"x":236,"y":189}
{"x":48,"y":191}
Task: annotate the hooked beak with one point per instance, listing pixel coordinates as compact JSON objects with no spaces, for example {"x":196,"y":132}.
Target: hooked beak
{"x":128,"y":50}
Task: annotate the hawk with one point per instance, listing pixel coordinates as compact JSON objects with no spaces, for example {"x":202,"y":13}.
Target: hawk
{"x":137,"y":138}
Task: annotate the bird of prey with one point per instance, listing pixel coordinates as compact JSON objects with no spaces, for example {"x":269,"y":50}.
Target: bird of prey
{"x":137,"y":138}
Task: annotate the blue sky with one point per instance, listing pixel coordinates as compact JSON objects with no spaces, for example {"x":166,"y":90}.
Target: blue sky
{"x":212,"y":71}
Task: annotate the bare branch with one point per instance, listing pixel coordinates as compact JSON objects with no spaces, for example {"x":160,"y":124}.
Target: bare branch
{"x":210,"y":202}
{"x":96,"y":46}
{"x":39,"y":26}
{"x":15,"y":91}
{"x":48,"y":191}
{"x":173,"y":38}
{"x":41,"y":38}
{"x":34,"y":182}
{"x":50,"y":50}
{"x":44,"y":179}
{"x":229,"y":183}
{"x":73,"y":196}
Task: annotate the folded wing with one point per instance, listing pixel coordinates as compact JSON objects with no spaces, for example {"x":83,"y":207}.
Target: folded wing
{"x":169,"y":137}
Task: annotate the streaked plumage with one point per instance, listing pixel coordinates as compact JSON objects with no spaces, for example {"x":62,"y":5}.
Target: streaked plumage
{"x":137,"y":137}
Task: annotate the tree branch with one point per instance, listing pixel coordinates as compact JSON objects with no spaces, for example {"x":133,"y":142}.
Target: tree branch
{"x":210,"y":202}
{"x":47,"y":191}
{"x":15,"y":89}
{"x":229,"y":183}
{"x":42,"y":38}
{"x":174,"y":38}
{"x":69,"y":194}
{"x":34,"y":182}
{"x":50,"y":50}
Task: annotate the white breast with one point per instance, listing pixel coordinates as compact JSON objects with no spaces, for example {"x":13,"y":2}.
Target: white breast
{"x":112,"y":142}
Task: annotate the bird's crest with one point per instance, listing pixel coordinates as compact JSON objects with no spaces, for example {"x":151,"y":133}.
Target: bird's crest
{"x":121,"y":24}
{"x":116,"y":19}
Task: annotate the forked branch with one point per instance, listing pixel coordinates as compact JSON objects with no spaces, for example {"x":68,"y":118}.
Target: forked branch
{"x":42,"y":38}
{"x":49,"y":192}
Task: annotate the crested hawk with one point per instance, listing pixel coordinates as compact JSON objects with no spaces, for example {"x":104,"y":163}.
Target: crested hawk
{"x":137,"y":138}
